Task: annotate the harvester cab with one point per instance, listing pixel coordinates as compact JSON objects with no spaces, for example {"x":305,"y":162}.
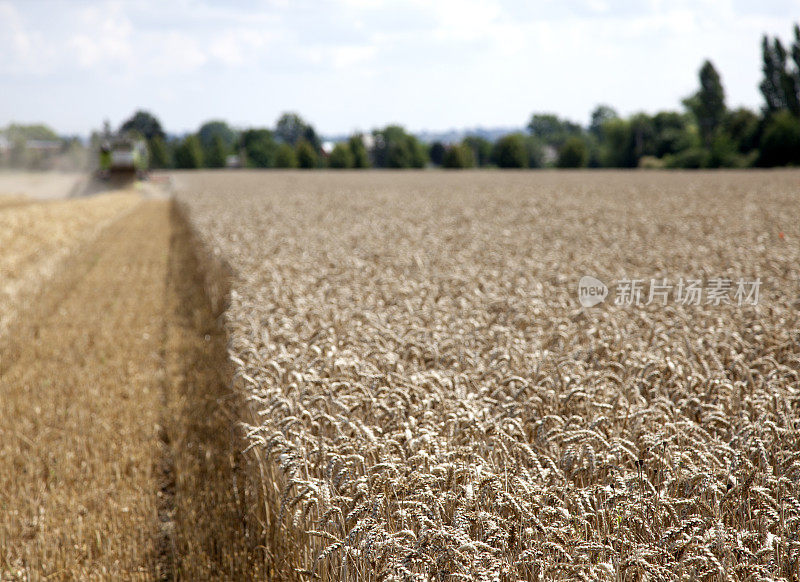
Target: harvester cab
{"x":123,"y":156}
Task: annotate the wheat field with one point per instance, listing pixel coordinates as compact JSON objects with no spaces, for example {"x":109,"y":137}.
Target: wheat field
{"x":117,"y":448}
{"x":35,"y":237}
{"x":428,"y":400}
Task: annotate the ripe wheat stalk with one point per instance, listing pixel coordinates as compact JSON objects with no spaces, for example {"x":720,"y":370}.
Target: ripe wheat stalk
{"x":428,"y":401}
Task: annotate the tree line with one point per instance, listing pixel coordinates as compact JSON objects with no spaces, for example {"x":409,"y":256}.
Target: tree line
{"x":38,"y":147}
{"x":704,"y":133}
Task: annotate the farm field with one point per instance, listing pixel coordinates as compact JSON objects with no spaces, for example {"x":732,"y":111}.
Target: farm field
{"x":113,"y":439}
{"x":38,"y":185}
{"x":391,"y":375}
{"x":76,"y":473}
{"x":429,"y":400}
{"x":36,"y":236}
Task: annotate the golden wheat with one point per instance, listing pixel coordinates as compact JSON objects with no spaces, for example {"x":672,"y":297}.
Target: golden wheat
{"x":36,"y":236}
{"x":429,"y":401}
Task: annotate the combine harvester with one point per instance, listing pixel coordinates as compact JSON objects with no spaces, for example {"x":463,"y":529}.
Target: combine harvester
{"x":123,"y":159}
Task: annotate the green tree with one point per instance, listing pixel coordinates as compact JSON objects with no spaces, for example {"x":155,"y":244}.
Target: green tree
{"x":437,"y":152}
{"x":723,"y":153}
{"x":624,"y":142}
{"x":394,"y":148}
{"x":551,"y":129}
{"x":773,"y":57}
{"x":458,"y":156}
{"x":211,"y":130}
{"x":399,"y":155}
{"x":481,"y":149}
{"x":793,"y":86}
{"x":341,"y":157}
{"x":672,"y":133}
{"x":536,"y":152}
{"x":259,"y":147}
{"x":359,"y":151}
{"x":618,"y":149}
{"x":743,"y":126}
{"x":23,"y":156}
{"x":600,"y":115}
{"x":510,"y":152}
{"x":593,"y":150}
{"x":306,"y":156}
{"x":189,"y":153}
{"x":643,"y":136}
{"x":159,"y":154}
{"x":691,"y":158}
{"x":291,"y":128}
{"x":573,"y":154}
{"x":694,"y":158}
{"x":708,"y":104}
{"x":216,"y":155}
{"x":285,"y":156}
{"x":780,"y":144}
{"x":17,"y":155}
{"x":37,"y":131}
{"x":781,"y":84}
{"x":419,"y":154}
{"x":145,"y":123}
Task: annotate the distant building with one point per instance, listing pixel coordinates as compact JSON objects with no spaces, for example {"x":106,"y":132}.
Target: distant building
{"x":35,"y":154}
{"x":5,"y":150}
{"x":46,"y":146}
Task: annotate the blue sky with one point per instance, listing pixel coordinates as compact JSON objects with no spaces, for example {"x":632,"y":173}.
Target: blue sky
{"x":350,"y":65}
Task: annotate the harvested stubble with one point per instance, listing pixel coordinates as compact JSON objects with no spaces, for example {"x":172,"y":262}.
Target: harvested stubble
{"x":35,"y":237}
{"x":38,"y":185}
{"x":430,"y":402}
{"x":80,"y":397}
{"x":117,"y":458}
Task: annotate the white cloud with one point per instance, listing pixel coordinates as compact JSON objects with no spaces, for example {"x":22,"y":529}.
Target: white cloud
{"x":598,"y":6}
{"x":236,"y":47}
{"x":172,"y":52}
{"x":24,"y":48}
{"x":105,"y":37}
{"x":344,"y":57}
{"x":460,"y":20}
{"x":426,"y":64}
